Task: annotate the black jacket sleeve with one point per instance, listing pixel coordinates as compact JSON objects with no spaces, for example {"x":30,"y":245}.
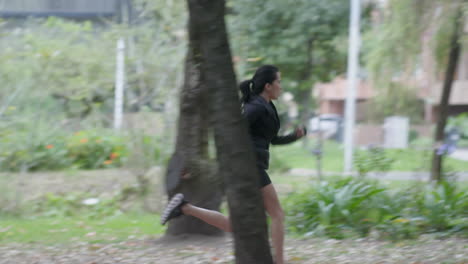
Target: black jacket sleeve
{"x":281,"y":140}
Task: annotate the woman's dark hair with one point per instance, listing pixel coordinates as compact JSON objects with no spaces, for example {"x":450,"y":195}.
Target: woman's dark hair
{"x":265,"y":74}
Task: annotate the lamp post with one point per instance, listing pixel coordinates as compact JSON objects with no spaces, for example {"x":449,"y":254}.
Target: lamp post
{"x":353,"y":66}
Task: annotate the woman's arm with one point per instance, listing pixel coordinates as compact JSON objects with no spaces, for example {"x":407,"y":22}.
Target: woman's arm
{"x":281,"y":140}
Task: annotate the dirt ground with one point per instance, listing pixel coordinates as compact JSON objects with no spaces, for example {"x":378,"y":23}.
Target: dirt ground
{"x":193,"y":250}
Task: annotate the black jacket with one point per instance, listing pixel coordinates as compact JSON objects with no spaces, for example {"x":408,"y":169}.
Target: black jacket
{"x":264,"y":125}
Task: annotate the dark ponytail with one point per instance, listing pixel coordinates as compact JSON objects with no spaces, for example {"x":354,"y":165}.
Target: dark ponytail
{"x":265,"y":74}
{"x":246,"y":90}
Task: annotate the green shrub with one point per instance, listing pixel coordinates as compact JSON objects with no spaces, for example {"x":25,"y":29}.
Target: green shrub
{"x":412,"y":135}
{"x":441,"y":205}
{"x":94,"y":149}
{"x":55,"y":150}
{"x":399,"y":228}
{"x":24,"y":150}
{"x":350,"y":207}
{"x":372,"y":159}
{"x":332,"y":207}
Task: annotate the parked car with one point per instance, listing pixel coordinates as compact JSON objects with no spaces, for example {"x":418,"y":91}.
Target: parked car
{"x":331,"y":126}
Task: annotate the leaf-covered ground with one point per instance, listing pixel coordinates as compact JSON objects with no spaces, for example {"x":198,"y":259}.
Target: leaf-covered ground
{"x":193,"y":250}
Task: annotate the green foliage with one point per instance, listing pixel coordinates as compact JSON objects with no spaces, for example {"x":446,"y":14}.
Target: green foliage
{"x":397,"y":99}
{"x":62,"y":59}
{"x":394,"y":44}
{"x":29,"y":146}
{"x":304,"y":38}
{"x":461,"y":123}
{"x":349,"y":207}
{"x":330,"y":208}
{"x":54,"y":150}
{"x":394,"y":54}
{"x":66,"y":69}
{"x":372,"y":159}
{"x":38,"y":155}
{"x":412,"y":135}
{"x":93,"y":149}
{"x":441,"y":204}
{"x":399,"y":228}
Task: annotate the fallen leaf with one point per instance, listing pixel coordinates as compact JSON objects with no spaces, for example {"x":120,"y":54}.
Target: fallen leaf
{"x":295,"y":258}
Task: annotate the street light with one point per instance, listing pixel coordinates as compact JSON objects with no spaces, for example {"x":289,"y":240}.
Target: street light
{"x":353,"y":66}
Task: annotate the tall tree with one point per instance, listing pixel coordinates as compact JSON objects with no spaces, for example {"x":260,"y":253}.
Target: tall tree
{"x":210,"y":76}
{"x":302,"y":37}
{"x":453,"y":58}
{"x":190,"y":171}
{"x":395,"y":48}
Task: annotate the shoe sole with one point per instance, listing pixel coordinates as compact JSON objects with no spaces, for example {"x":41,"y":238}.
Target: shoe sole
{"x":175,"y":201}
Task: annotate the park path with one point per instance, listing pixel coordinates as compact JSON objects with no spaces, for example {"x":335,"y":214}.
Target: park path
{"x":460,"y":154}
{"x":198,"y":250}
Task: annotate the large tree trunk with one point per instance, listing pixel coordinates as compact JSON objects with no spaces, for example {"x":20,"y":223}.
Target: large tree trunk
{"x":190,"y":171}
{"x":455,"y":50}
{"x":234,"y":151}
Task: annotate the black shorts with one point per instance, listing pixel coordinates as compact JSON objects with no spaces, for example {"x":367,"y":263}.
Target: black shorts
{"x":264,"y":178}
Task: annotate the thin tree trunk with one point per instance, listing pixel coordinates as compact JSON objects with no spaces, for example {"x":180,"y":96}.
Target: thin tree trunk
{"x":234,"y":151}
{"x":305,"y":95}
{"x":455,"y":50}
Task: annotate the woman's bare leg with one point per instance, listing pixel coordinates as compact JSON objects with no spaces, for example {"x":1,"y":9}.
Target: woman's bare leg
{"x":211,"y":217}
{"x":274,"y":210}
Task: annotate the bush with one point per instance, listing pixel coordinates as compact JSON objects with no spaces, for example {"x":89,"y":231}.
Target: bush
{"x":28,"y":150}
{"x":372,"y":159}
{"x":332,"y":207}
{"x":350,"y":207}
{"x":439,"y":206}
{"x":93,"y":150}
{"x":54,"y":150}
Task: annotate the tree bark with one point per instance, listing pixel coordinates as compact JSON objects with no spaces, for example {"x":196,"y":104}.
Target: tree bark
{"x":234,"y":150}
{"x":190,"y":172}
{"x":455,"y":50}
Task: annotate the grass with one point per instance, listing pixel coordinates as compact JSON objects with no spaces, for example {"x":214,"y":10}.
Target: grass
{"x":295,"y":156}
{"x":286,"y":184}
{"x":50,"y":231}
{"x":57,"y":230}
{"x":111,"y":230}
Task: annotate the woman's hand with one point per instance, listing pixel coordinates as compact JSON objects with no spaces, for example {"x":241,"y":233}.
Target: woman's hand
{"x":300,"y":132}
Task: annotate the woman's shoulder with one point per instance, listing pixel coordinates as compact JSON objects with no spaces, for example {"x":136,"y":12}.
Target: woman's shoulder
{"x":258,"y":101}
{"x":255,"y":105}
{"x":254,"y":108}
